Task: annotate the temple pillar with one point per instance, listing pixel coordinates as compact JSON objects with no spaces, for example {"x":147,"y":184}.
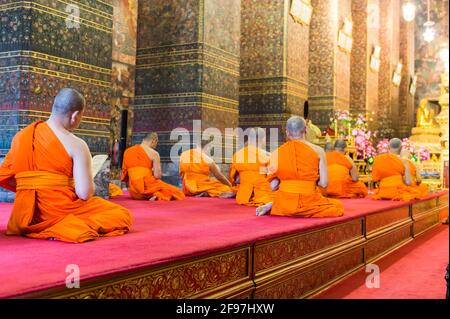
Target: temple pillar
{"x":363,"y":79}
{"x":329,"y":64}
{"x":47,"y":45}
{"x":187,"y":68}
{"x":405,"y":118}
{"x":274,"y":65}
{"x":387,"y":91}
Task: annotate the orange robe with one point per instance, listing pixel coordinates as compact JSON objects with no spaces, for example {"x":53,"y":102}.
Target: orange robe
{"x":389,"y":170}
{"x":254,"y":188}
{"x":137,"y":171}
{"x":296,"y":165}
{"x":39,"y":170}
{"x":422,"y":188}
{"x":114,"y":190}
{"x":194,"y":170}
{"x":340,"y":183}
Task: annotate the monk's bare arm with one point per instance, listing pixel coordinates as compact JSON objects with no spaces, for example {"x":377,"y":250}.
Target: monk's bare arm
{"x":353,"y":171}
{"x":218,"y":174}
{"x":156,"y":165}
{"x":323,"y":167}
{"x":407,"y":177}
{"x":82,"y":170}
{"x":418,"y":176}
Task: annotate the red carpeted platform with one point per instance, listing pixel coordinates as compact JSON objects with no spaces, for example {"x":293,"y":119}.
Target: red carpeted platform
{"x":163,"y":232}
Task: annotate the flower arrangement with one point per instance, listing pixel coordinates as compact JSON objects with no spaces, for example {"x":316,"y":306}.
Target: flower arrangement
{"x":355,"y":128}
{"x":422,"y":153}
{"x":340,"y":122}
{"x":383,"y":146}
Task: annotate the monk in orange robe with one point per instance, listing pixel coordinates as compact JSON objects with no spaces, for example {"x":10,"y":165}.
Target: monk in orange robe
{"x":343,"y":175}
{"x":50,"y":169}
{"x":195,"y":169}
{"x":300,"y":167}
{"x":394,"y":175}
{"x":249,"y":171}
{"x":141,"y":168}
{"x":416,"y":179}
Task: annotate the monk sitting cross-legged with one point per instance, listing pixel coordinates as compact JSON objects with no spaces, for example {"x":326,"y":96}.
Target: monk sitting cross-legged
{"x":141,"y":168}
{"x":342,"y":174}
{"x":195,"y":168}
{"x":300,"y":167}
{"x":416,"y":179}
{"x":394,"y":175}
{"x":50,"y":169}
{"x":249,"y":172}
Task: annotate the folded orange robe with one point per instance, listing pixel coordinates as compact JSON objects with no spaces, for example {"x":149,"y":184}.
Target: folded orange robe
{"x":296,"y":165}
{"x":422,"y":188}
{"x":114,"y":190}
{"x":137,"y":171}
{"x":194,"y":170}
{"x":389,"y":170}
{"x":340,"y":183}
{"x":39,"y":170}
{"x":254,"y":188}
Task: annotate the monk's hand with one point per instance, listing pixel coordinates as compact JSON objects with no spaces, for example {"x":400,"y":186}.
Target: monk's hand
{"x":275,"y":184}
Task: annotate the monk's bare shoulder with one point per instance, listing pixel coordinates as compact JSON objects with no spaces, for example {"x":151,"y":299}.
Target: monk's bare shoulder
{"x":207,"y":159}
{"x":154,"y":155}
{"x":78,"y":145}
{"x":319,"y":150}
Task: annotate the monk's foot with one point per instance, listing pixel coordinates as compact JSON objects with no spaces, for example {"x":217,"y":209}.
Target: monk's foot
{"x":153,"y":198}
{"x":227,"y":195}
{"x":203,"y":194}
{"x":264,"y":209}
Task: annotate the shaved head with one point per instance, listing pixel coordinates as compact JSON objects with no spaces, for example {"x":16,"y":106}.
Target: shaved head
{"x":329,"y":147}
{"x":67,"y":102}
{"x":395,"y":145}
{"x":150,"y":137}
{"x":295,"y":126}
{"x":340,"y":145}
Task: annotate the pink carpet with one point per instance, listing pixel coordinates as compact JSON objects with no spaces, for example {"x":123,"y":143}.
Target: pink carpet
{"x":162,"y":232}
{"x":414,"y":271}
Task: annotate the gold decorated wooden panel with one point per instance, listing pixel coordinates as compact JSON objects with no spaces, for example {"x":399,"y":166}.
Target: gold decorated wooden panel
{"x":383,"y":244}
{"x":288,"y":249}
{"x":378,"y":221}
{"x":443,"y":200}
{"x":424,"y":206}
{"x":220,"y":272}
{"x":425,"y":222}
{"x":304,"y":283}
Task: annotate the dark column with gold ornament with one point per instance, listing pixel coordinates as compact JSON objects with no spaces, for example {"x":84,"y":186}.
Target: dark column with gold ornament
{"x":46,"y":45}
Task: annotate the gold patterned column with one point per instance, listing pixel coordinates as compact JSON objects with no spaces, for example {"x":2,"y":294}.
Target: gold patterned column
{"x":274,"y":63}
{"x":363,"y":77}
{"x":329,"y":60}
{"x":405,"y":118}
{"x":187,"y":68}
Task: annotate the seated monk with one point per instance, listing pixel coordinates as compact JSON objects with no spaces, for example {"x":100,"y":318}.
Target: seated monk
{"x":300,"y":167}
{"x":342,"y":174}
{"x":249,"y":172}
{"x":195,"y":168}
{"x":50,"y":169}
{"x":394,"y":175}
{"x":141,"y":168}
{"x":416,"y":179}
